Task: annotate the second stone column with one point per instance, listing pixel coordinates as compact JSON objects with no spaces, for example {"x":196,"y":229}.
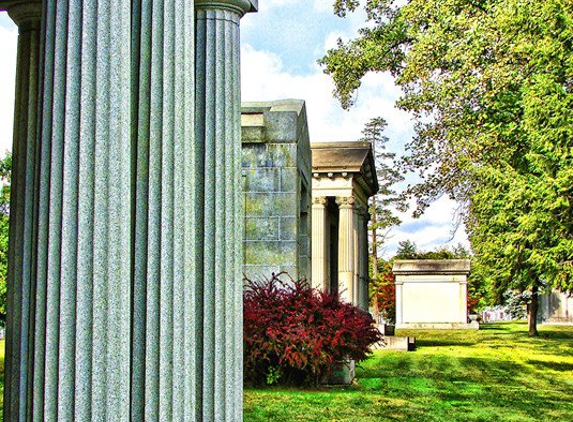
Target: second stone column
{"x":218,"y":153}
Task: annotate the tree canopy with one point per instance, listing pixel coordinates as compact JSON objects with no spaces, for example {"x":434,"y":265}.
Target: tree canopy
{"x":489,"y":83}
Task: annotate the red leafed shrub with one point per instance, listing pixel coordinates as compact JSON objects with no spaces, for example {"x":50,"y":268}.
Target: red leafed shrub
{"x":294,"y":334}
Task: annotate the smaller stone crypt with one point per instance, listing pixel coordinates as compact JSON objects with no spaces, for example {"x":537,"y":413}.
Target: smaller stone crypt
{"x":432,"y":293}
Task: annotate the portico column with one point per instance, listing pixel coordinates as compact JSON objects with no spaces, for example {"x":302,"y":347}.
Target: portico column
{"x":365,"y":261}
{"x":346,"y":248}
{"x":362,"y":251}
{"x":357,"y":291}
{"x":219,"y":208}
{"x":23,"y":211}
{"x":319,"y":243}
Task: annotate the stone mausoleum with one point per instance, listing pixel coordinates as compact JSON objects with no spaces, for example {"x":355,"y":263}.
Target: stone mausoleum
{"x":277,"y":172}
{"x":432,"y":293}
{"x":556,"y":307}
{"x":343,"y":178}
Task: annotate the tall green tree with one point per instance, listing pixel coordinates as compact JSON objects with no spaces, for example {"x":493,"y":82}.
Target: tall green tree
{"x":385,"y":202}
{"x":490,"y":85}
{"x":5,"y":184}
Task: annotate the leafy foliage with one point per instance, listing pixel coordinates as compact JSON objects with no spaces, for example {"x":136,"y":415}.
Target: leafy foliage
{"x":294,"y":334}
{"x":515,"y":304}
{"x":490,"y":85}
{"x":383,"y":291}
{"x":5,"y":184}
{"x":387,"y":200}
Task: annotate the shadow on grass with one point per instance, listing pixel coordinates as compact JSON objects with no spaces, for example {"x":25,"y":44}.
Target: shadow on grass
{"x":494,"y":327}
{"x":556,"y":335}
{"x":555,"y":366}
{"x":442,"y":343}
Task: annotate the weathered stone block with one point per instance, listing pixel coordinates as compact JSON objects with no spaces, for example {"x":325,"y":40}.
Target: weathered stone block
{"x":267,"y":252}
{"x":282,"y":127}
{"x":304,"y":245}
{"x":288,"y":228}
{"x":282,"y":155}
{"x":270,"y":204}
{"x":265,"y":179}
{"x":289,"y":180}
{"x":262,"y":228}
{"x":253,"y":155}
{"x":260,"y":272}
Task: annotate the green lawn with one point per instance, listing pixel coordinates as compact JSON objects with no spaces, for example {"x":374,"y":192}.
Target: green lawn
{"x":495,"y":374}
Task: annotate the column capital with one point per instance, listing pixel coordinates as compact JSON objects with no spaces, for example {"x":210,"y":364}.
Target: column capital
{"x":319,"y":200}
{"x":345,"y":202}
{"x":239,"y":6}
{"x":26,"y":14}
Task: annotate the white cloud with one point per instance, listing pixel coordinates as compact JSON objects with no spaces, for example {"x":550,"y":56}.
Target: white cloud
{"x":264,"y":77}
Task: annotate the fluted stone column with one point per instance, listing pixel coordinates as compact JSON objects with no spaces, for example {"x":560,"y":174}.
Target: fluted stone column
{"x":319,"y":243}
{"x":362,"y":260}
{"x":125,"y":292}
{"x":464,"y":301}
{"x":23,"y":212}
{"x":365,"y":259}
{"x":346,"y":248}
{"x":357,"y":290}
{"x":71,"y":304}
{"x":167,"y":274}
{"x":219,"y":207}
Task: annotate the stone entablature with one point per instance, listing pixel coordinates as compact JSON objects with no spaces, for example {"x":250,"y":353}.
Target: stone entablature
{"x":431,"y":293}
{"x":276,"y":168}
{"x":343,"y":178}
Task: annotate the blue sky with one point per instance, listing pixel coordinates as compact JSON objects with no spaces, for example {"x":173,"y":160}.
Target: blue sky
{"x":280,"y":46}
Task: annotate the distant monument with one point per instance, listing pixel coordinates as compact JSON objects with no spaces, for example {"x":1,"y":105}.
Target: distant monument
{"x":556,"y":307}
{"x":432,"y":293}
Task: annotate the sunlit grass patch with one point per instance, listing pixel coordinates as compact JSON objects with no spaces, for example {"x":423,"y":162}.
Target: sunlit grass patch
{"x":495,"y":374}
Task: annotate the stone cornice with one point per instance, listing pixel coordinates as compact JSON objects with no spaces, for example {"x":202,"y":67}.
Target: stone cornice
{"x":431,"y":266}
{"x":25,"y":14}
{"x":239,"y":6}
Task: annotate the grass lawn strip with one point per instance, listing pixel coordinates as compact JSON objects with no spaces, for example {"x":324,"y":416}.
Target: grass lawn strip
{"x":495,"y":374}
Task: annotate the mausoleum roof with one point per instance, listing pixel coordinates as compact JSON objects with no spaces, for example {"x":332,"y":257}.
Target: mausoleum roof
{"x":346,"y":157}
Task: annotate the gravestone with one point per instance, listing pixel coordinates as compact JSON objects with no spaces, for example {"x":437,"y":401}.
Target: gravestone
{"x":432,"y":294}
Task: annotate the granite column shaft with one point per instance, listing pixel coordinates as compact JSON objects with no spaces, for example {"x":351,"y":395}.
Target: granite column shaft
{"x":319,"y":243}
{"x":125,"y":300}
{"x":218,"y":210}
{"x":346,"y":249}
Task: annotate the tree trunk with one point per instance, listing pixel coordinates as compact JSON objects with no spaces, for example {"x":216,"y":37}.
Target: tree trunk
{"x":532,"y":309}
{"x":374,"y":259}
